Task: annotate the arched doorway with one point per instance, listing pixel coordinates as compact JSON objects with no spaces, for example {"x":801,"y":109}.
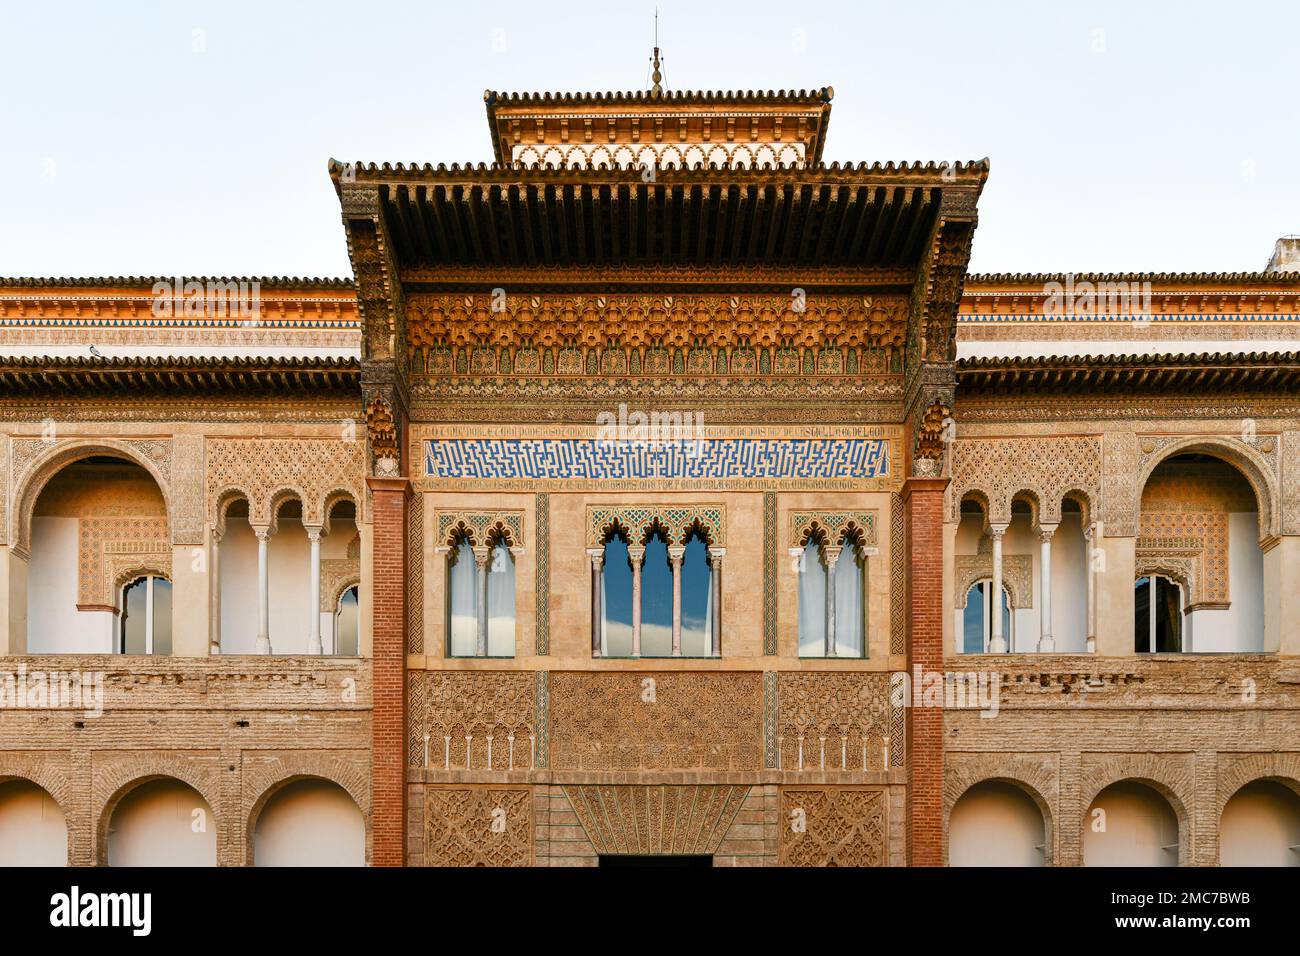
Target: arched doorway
{"x":995,"y":823}
{"x":1260,"y":826}
{"x":310,"y":822}
{"x":162,"y":822}
{"x":1130,"y":824}
{"x":32,"y":828}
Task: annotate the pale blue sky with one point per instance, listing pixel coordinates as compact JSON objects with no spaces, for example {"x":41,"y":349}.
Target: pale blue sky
{"x":1123,"y":135}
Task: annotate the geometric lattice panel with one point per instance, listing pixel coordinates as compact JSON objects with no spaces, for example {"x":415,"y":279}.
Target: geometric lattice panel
{"x":478,"y":827}
{"x":832,"y":826}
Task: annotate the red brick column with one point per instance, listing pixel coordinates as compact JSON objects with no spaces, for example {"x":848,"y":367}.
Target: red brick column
{"x":388,"y":721}
{"x":923,"y":499}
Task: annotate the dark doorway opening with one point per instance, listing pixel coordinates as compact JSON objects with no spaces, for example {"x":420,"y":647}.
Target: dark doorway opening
{"x":656,"y":860}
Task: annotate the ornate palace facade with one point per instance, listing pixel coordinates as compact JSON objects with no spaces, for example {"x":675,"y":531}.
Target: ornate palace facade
{"x":657,"y":490}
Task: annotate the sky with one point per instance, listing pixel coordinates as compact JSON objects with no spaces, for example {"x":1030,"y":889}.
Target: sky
{"x":191,"y":138}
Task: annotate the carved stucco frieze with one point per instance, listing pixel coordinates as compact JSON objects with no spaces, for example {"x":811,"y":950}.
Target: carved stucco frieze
{"x":1047,"y":469}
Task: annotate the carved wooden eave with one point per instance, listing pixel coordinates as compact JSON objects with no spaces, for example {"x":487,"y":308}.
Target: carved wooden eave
{"x":864,"y":216}
{"x":1193,"y":374}
{"x":666,"y":116}
{"x":91,"y":377}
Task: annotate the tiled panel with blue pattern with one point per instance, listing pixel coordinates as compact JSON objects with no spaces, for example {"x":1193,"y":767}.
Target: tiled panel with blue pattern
{"x":724,"y":458}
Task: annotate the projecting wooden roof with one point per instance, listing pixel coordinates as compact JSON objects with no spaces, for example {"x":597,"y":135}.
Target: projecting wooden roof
{"x":1142,"y":374}
{"x":864,"y":215}
{"x":77,"y":377}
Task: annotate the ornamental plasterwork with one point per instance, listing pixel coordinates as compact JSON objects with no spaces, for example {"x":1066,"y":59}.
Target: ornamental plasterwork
{"x":753,"y":335}
{"x":688,"y":819}
{"x":109,"y":545}
{"x":838,"y":722}
{"x":479,"y":528}
{"x":676,"y":522}
{"x":1017,"y":577}
{"x":843,"y":826}
{"x":660,"y":155}
{"x":262,"y":469}
{"x":1197,"y":541}
{"x":1049,"y":469}
{"x":832,"y":528}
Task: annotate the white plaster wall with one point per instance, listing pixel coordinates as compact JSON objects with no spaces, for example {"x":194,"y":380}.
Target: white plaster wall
{"x":1260,"y":826}
{"x":32,"y":828}
{"x":54,"y":625}
{"x":238,"y":588}
{"x":1139,"y":824}
{"x":162,"y":823}
{"x":1240,"y":627}
{"x":310,"y":823}
{"x":995,"y":824}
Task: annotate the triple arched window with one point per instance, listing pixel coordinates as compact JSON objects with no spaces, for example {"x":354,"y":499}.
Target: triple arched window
{"x":656,"y":582}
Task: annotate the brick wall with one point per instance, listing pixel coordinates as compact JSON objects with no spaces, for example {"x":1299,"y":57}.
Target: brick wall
{"x":923,"y":500}
{"x":388,"y":723}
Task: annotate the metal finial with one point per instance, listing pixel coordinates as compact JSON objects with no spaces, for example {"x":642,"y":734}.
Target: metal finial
{"x":657,"y":75}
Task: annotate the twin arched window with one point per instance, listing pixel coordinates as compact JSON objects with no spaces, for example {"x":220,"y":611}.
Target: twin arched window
{"x":480,"y":600}
{"x":832,"y":599}
{"x":145,"y":626}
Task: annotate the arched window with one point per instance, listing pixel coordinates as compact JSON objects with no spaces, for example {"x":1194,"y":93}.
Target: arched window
{"x":347,"y":623}
{"x":501,"y":602}
{"x":616,"y":599}
{"x":697,"y":598}
{"x":977,"y":618}
{"x":1158,"y":615}
{"x":832,"y":600}
{"x":462,"y":601}
{"x":656,"y":599}
{"x":145,"y":626}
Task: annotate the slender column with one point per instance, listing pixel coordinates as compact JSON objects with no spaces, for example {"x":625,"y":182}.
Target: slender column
{"x":676,"y":554}
{"x":1046,"y":643}
{"x":717,"y":554}
{"x":313,"y":595}
{"x":214,"y":599}
{"x":597,"y":556}
{"x":636,"y":553}
{"x":481,"y":555}
{"x":263,"y":645}
{"x":831,"y":555}
{"x":997,"y":642}
{"x":1090,"y":571}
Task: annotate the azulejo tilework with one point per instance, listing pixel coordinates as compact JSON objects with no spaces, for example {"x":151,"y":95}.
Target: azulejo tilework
{"x":542,"y":459}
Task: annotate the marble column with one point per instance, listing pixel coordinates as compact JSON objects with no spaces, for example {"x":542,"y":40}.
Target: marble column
{"x":831,"y":556}
{"x":1090,"y":572}
{"x":313,"y":594}
{"x":636,"y":554}
{"x":214,"y":599}
{"x":263,"y":645}
{"x":1046,"y":643}
{"x":481,"y":555}
{"x":597,"y":556}
{"x":676,"y":554}
{"x":715,"y":582}
{"x":997,"y":640}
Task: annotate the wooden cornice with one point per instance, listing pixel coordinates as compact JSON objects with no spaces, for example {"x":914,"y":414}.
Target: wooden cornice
{"x":75,"y":377}
{"x":1276,"y":372}
{"x":865,"y":216}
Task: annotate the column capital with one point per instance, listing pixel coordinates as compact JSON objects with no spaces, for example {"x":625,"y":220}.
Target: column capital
{"x":676,"y":552}
{"x":481,"y":554}
{"x":314,"y":532}
{"x":719,"y":553}
{"x":262,"y":531}
{"x":636,"y":552}
{"x":996,"y":531}
{"x":1045,"y":532}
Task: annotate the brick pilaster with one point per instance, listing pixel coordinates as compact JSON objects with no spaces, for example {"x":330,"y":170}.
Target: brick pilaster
{"x":388,"y":721}
{"x":923,"y":500}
